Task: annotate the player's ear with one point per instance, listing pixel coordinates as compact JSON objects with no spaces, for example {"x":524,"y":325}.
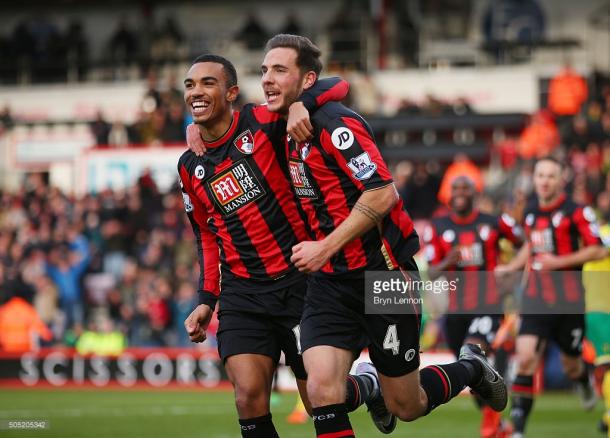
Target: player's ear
{"x":309,"y":79}
{"x":232,"y":93}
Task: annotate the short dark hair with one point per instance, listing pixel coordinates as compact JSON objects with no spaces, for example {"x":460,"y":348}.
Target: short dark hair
{"x":228,"y":67}
{"x":465,"y":178}
{"x":308,"y":54}
{"x":552,"y":159}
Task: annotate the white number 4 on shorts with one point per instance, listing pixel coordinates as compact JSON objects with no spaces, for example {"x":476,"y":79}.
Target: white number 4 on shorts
{"x":391,"y":341}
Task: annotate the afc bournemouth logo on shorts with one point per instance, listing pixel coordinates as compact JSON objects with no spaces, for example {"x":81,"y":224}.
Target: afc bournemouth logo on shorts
{"x":236,"y":187}
{"x":362,"y":167}
{"x":244,"y":142}
{"x":300,"y":180}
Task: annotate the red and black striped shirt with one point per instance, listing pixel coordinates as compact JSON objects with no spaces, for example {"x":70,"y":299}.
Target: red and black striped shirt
{"x":240,"y":202}
{"x":560,"y":229}
{"x":330,"y":173}
{"x":477,"y":238}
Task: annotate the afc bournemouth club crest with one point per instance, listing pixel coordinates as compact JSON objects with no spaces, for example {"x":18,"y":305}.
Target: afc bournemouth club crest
{"x":305,"y":150}
{"x":244,"y":142}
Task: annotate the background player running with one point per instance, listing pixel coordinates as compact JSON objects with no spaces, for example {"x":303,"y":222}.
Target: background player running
{"x":561,"y":236}
{"x":468,"y":241}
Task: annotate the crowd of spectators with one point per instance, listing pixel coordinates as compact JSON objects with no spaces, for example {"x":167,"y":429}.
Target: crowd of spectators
{"x":579,"y":137}
{"x":40,"y":50}
{"x":161,"y":119}
{"x":43,"y":49}
{"x":122,"y":261}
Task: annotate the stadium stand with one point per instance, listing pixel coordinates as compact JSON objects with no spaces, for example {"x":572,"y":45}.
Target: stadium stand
{"x":92,"y":228}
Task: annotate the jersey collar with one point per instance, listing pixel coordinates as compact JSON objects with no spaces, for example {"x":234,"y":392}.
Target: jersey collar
{"x":465,"y":220}
{"x":554,"y":205}
{"x":226,"y":136}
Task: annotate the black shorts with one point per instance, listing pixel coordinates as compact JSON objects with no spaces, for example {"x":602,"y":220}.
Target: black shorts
{"x":334,"y":315}
{"x":263,"y":323}
{"x":460,"y":327}
{"x":566,"y":330}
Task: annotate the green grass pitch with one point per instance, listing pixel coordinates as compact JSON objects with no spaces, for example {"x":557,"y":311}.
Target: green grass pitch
{"x":151,"y":414}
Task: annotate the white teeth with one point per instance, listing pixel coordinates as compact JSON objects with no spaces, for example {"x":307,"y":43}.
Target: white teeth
{"x":197,"y":105}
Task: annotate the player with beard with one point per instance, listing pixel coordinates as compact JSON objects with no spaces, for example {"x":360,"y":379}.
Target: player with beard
{"x":561,"y":236}
{"x":467,"y":242}
{"x":245,"y":218}
{"x":347,"y":193}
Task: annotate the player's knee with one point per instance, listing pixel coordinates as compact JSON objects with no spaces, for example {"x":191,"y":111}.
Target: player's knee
{"x":573,"y":367}
{"x":249,"y":398}
{"x":527,"y":362}
{"x":323,"y":390}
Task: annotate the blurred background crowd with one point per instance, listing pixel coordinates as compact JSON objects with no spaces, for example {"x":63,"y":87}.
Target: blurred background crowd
{"x":121,"y":263}
{"x":124,"y":260}
{"x":117,"y":261}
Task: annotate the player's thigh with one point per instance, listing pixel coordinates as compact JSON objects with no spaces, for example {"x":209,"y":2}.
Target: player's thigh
{"x":327,"y":364}
{"x":569,"y":331}
{"x":246,"y":333}
{"x":327,"y":368}
{"x":528,"y":350}
{"x":394,"y":343}
{"x":251,"y":376}
{"x":250,"y":369}
{"x":287,"y":329}
{"x":534,"y":332}
{"x":332,"y":316}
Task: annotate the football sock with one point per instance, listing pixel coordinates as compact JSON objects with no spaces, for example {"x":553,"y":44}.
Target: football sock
{"x":606,"y":395}
{"x":522,"y":401}
{"x":332,"y":422}
{"x":501,"y":361}
{"x":474,"y":369}
{"x":583,"y":380}
{"x":359,"y":389}
{"x":443,"y":382}
{"x":258,"y":427}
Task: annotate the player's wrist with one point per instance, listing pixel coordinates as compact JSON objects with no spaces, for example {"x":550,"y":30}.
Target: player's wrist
{"x":329,"y":247}
{"x":308,"y":101}
{"x":208,"y":299}
{"x":296,"y":104}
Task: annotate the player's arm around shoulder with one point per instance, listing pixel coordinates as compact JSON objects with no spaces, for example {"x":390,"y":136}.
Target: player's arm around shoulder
{"x":368,"y":173}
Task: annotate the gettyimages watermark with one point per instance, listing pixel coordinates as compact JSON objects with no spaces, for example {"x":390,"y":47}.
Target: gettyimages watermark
{"x":481,"y":292}
{"x":24,"y":424}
